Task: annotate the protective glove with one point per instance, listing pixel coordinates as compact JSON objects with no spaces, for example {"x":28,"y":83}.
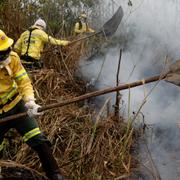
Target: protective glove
{"x":65,"y":43}
{"x":32,"y":108}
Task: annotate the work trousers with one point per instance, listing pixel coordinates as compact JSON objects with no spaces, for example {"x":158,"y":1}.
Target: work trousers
{"x":26,"y":126}
{"x":29,"y":130}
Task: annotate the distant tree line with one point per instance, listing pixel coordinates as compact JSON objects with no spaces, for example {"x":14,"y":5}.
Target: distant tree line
{"x":60,"y":15}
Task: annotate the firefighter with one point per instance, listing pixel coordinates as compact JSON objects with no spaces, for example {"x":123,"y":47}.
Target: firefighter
{"x":81,"y":26}
{"x":31,"y":43}
{"x":17,"y":96}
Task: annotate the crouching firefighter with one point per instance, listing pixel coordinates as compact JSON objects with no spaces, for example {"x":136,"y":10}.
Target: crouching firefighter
{"x":17,"y":96}
{"x":31,"y":43}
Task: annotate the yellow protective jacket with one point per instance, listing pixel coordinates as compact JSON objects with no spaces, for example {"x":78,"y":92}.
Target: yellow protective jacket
{"x":14,"y":79}
{"x":84,"y":29}
{"x":37,"y":41}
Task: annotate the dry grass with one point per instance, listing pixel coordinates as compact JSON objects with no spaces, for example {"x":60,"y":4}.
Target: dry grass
{"x":84,"y":150}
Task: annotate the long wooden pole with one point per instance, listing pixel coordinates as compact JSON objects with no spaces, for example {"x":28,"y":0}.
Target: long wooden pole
{"x":87,"y":96}
{"x":86,"y":37}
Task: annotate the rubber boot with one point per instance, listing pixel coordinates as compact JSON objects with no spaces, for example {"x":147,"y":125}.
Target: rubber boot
{"x":48,"y":162}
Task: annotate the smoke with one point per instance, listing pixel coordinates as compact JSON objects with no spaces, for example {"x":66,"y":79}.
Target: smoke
{"x":149,"y":32}
{"x":154,"y":28}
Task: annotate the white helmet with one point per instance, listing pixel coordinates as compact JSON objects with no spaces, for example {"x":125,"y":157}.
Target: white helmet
{"x":40,"y":22}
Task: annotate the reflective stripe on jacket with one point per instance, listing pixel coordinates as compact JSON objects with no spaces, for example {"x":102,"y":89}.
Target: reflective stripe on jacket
{"x":14,"y":79}
{"x":37,"y":41}
{"x":83,"y":29}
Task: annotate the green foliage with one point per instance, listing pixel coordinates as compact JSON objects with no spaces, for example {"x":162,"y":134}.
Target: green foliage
{"x":64,"y":13}
{"x":60,"y":15}
{"x":2,"y":2}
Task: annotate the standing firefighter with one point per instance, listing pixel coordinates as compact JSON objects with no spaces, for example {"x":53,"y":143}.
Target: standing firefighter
{"x":82,"y":26}
{"x":31,"y":43}
{"x":17,"y":96}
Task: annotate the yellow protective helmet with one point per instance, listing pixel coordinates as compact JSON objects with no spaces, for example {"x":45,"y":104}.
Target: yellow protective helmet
{"x":5,"y":41}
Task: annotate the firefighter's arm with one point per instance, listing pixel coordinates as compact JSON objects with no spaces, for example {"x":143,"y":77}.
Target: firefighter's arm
{"x":25,"y":88}
{"x":76,"y":28}
{"x":18,"y":46}
{"x":23,"y":81}
{"x":55,"y":41}
{"x":46,"y":38}
{"x":91,"y":30}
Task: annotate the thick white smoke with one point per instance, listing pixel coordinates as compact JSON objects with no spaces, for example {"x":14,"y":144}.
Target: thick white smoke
{"x":152,"y":33}
{"x":149,"y":32}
